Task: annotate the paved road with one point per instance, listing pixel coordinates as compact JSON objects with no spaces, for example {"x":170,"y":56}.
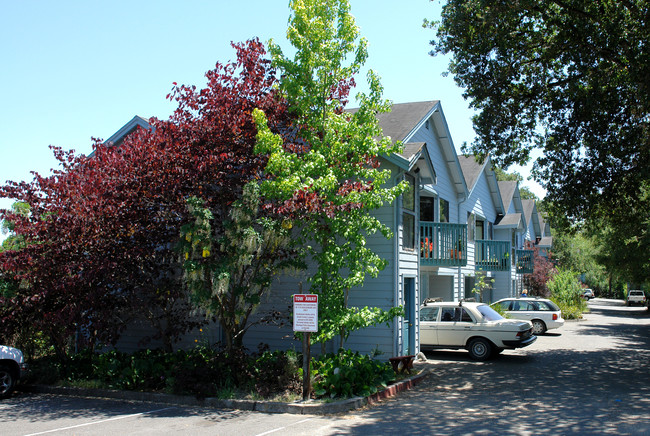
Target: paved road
{"x":589,"y":377}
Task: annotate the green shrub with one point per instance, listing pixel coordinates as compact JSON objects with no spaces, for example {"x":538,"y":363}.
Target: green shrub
{"x":278,"y":373}
{"x":565,"y":292}
{"x":347,"y":374}
{"x":206,"y":372}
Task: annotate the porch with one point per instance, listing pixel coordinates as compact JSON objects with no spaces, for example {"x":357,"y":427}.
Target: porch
{"x":492,"y":255}
{"x":443,"y":244}
{"x":525,"y":261}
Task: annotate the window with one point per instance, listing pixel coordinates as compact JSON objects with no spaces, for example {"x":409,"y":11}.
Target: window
{"x":489,"y":314}
{"x":505,"y":305}
{"x":455,"y":314}
{"x":447,"y":314}
{"x":427,"y":208}
{"x":522,"y":306}
{"x":480,"y":229}
{"x":429,"y":313}
{"x":408,"y":214}
{"x":444,"y":211}
{"x":470,"y":226}
{"x":408,"y":233}
{"x":408,"y":198}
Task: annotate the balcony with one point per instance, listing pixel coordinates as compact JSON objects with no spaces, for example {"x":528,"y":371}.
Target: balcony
{"x":492,"y":255}
{"x":443,"y":244}
{"x":525,"y":261}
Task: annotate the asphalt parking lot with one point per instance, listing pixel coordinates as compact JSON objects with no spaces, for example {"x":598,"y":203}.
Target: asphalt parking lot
{"x":589,"y":377}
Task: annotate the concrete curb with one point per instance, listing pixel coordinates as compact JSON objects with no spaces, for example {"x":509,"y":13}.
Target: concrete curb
{"x":298,"y":408}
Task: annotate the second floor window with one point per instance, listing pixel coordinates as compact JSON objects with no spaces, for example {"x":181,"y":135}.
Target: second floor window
{"x":408,"y":214}
{"x":444,"y":211}
{"x":427,"y":208}
{"x":480,"y":229}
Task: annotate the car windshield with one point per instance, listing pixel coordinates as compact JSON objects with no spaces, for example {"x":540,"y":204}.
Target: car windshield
{"x":488,"y":313}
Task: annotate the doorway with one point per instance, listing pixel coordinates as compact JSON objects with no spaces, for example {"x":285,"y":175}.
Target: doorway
{"x":408,"y":327}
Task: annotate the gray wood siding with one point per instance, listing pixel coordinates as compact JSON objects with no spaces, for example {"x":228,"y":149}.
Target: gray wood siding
{"x":376,"y":292}
{"x":444,"y":186}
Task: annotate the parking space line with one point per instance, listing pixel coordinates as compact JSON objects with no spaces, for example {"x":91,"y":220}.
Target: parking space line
{"x":282,"y":428}
{"x":102,"y":421}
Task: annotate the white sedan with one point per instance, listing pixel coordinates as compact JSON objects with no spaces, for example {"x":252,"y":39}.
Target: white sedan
{"x":474,"y":326}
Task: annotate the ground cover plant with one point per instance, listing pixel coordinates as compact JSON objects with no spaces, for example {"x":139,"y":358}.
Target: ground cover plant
{"x":206,"y":372}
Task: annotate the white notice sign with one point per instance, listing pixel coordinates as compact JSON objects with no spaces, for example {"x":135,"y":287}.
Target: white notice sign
{"x":305,"y":313}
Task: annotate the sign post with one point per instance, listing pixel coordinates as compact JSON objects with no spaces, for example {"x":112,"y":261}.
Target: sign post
{"x":305,"y":320}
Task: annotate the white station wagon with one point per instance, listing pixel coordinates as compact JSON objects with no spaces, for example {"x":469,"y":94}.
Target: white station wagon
{"x":473,"y":326}
{"x":543,"y":313}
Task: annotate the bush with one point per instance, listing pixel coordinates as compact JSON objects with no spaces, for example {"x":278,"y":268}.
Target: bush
{"x":278,"y":373}
{"x":201,"y":371}
{"x":565,"y":292}
{"x":205,"y":372}
{"x":349,"y":374}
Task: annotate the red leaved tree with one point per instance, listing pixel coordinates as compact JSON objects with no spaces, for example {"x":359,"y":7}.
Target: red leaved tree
{"x":543,"y":271}
{"x":100,"y":238}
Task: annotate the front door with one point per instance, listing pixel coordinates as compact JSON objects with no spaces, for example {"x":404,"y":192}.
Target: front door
{"x":408,"y":328}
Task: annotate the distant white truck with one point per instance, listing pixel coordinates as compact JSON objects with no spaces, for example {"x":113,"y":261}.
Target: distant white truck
{"x":635,"y":296}
{"x":12,"y":369}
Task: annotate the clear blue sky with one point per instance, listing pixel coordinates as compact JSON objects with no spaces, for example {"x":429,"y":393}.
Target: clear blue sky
{"x":72,"y":70}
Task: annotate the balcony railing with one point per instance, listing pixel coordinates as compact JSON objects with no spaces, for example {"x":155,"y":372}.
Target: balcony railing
{"x":525,"y":263}
{"x":492,"y":255}
{"x":443,"y":244}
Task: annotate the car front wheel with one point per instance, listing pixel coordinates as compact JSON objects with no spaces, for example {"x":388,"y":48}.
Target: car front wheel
{"x":479,"y":349}
{"x":7,"y":381}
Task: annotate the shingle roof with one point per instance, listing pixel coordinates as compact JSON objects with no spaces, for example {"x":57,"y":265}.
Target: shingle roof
{"x":507,"y":188}
{"x":411,"y":149}
{"x":403,"y":118}
{"x":509,"y":220}
{"x":529,"y":206}
{"x":471,"y":169}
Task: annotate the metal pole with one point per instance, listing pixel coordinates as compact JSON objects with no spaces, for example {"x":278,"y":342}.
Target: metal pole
{"x":306,"y":358}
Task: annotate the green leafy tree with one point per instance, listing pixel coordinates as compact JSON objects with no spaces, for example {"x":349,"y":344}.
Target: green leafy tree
{"x":483,"y":283}
{"x":330,"y":185}
{"x":230,"y":269}
{"x":13,"y":241}
{"x":565,"y":290}
{"x":623,"y":246}
{"x":568,"y":77}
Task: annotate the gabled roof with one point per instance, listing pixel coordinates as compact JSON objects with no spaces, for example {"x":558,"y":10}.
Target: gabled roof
{"x":529,"y":207}
{"x":416,"y":154}
{"x":507,"y":188}
{"x":531,"y":215}
{"x":405,"y":119}
{"x":509,"y":221}
{"x":510,"y":194}
{"x":118,"y":137}
{"x":472,"y":170}
{"x":128,"y":128}
{"x":545,"y":242}
{"x":409,"y":156}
